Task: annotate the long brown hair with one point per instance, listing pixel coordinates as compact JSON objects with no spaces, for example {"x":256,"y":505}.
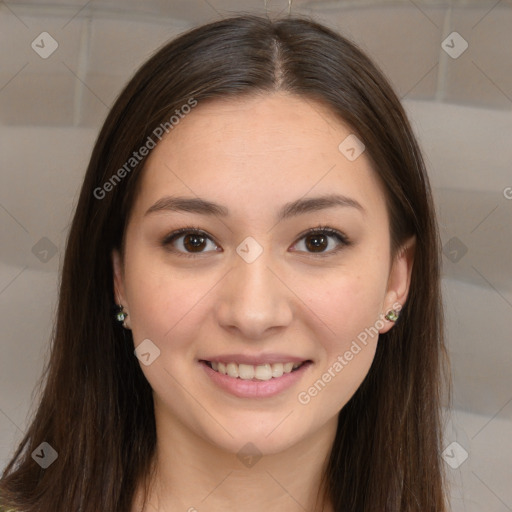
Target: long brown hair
{"x":96,"y":407}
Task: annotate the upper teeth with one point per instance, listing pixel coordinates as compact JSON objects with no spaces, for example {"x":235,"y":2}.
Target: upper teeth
{"x":249,"y":371}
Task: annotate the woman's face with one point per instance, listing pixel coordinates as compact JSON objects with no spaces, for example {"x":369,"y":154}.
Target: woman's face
{"x":252,"y":290}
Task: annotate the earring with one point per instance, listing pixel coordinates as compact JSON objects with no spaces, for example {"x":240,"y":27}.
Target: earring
{"x":121,"y":315}
{"x":392,"y":315}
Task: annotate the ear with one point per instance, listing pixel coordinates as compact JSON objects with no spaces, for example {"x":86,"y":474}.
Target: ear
{"x":118,"y":271}
{"x":399,"y":281}
{"x":119,"y":291}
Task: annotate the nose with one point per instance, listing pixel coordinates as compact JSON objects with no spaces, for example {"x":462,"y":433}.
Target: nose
{"x":254,"y":301}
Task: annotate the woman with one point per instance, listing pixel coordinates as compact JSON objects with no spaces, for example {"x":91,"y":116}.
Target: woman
{"x":254,"y":219}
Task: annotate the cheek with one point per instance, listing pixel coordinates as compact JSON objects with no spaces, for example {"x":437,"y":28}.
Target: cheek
{"x":161,"y":301}
{"x":346,"y":303}
{"x":162,"y":306}
{"x":350,"y":307}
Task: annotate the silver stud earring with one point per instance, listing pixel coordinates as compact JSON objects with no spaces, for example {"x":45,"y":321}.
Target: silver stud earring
{"x":121,"y":315}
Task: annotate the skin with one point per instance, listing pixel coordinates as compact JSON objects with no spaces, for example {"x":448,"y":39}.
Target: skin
{"x":253,"y":155}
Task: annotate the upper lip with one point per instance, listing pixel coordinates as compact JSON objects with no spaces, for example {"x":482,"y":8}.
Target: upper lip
{"x":255,"y":359}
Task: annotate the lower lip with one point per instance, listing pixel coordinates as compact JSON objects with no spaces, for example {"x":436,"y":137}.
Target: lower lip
{"x":255,"y":388}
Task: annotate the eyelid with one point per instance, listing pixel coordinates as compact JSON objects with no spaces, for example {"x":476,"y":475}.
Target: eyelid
{"x":343,"y":240}
{"x":168,"y":239}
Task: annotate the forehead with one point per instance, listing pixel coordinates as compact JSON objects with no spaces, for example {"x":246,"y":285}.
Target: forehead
{"x":254,"y":150}
{"x":258,"y":125}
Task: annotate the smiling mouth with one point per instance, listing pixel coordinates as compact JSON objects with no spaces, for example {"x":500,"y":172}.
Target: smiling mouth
{"x":254,"y":372}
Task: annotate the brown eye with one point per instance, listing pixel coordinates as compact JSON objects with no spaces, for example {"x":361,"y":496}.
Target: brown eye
{"x":323,"y":241}
{"x":193,"y":242}
{"x":187,"y":241}
{"x":317,"y":242}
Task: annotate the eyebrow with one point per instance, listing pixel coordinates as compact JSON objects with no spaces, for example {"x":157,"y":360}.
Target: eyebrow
{"x":299,"y":207}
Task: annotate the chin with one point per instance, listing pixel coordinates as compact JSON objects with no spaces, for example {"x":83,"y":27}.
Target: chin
{"x":263,"y":438}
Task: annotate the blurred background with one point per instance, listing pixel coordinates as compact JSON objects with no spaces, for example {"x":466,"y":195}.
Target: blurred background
{"x":63,"y":64}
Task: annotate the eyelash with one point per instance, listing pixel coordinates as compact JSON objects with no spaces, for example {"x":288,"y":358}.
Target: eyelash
{"x":319,"y":230}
